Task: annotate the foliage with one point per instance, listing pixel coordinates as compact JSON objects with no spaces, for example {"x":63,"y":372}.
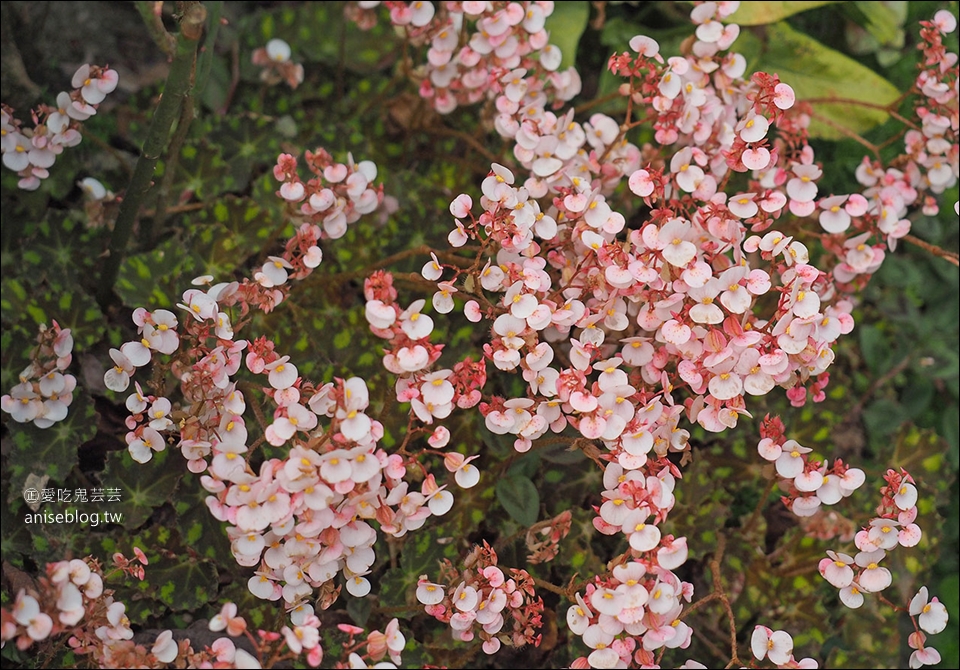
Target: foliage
{"x":219,"y":204}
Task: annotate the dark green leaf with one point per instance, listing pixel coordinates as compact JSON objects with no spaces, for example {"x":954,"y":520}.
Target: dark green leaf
{"x":874,"y":347}
{"x":520,"y":498}
{"x":144,"y":486}
{"x":359,"y":610}
{"x":882,"y":417}
{"x":51,"y":451}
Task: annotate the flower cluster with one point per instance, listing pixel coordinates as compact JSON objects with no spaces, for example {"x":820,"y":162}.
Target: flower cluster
{"x":338,"y":195}
{"x":31,"y":152}
{"x":432,"y":394}
{"x":307,"y":517}
{"x":935,"y":149}
{"x":73,"y":585}
{"x":479,"y":51}
{"x":274,"y":58}
{"x":45,"y":391}
{"x":157,"y":333}
{"x":71,"y":600}
{"x":626,"y":617}
{"x":894,"y":525}
{"x":930,"y":616}
{"x":609,"y":323}
{"x":930,"y":164}
{"x":486,"y":603}
{"x":807,"y":483}
{"x":622,"y":325}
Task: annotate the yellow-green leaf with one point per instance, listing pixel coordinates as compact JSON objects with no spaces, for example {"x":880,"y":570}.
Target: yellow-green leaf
{"x":566,"y":25}
{"x":761,"y":13}
{"x":817,"y":72}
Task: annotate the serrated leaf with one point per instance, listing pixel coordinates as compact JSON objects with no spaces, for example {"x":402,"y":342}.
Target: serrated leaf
{"x":243,"y":143}
{"x":176,"y":577}
{"x":143,"y":486}
{"x":183,"y":583}
{"x":53,"y":450}
{"x":520,"y":498}
{"x":202,"y":171}
{"x":422,"y":553}
{"x":817,"y":72}
{"x":153,"y":279}
{"x":199,"y":529}
{"x":73,"y":309}
{"x":761,"y":13}
{"x":951,"y":432}
{"x":526,"y":466}
{"x":392,"y":588}
{"x":566,"y":25}
{"x":13,"y":530}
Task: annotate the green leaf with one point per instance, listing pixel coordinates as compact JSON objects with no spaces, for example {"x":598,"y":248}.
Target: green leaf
{"x":885,"y":21}
{"x":203,"y":171}
{"x":951,"y":434}
{"x":422,"y":553}
{"x":71,"y":307}
{"x":761,"y":13}
{"x":13,"y":531}
{"x":520,"y":498}
{"x":143,"y":486}
{"x":566,"y":25}
{"x":882,"y":417}
{"x":153,"y":278}
{"x":818,"y":72}
{"x":359,"y":610}
{"x":526,"y":466}
{"x":198,"y":527}
{"x":873,"y":346}
{"x":53,"y":450}
{"x":181,"y":581}
{"x":392,"y":589}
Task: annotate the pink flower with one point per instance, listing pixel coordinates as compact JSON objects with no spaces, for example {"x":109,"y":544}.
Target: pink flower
{"x":775,"y":645}
{"x":932,"y":615}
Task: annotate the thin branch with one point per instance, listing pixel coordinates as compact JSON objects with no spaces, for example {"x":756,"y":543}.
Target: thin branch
{"x":469,"y":139}
{"x":422,"y":250}
{"x":949,"y":256}
{"x":718,"y":593}
{"x":863,"y":103}
{"x":609,"y":97}
{"x":752,"y":523}
{"x":553,"y":588}
{"x":843,"y":130}
{"x":177,"y":209}
{"x":234,"y":78}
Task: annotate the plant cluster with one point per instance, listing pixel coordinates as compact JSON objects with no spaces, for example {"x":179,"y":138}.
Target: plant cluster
{"x":636,"y":283}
